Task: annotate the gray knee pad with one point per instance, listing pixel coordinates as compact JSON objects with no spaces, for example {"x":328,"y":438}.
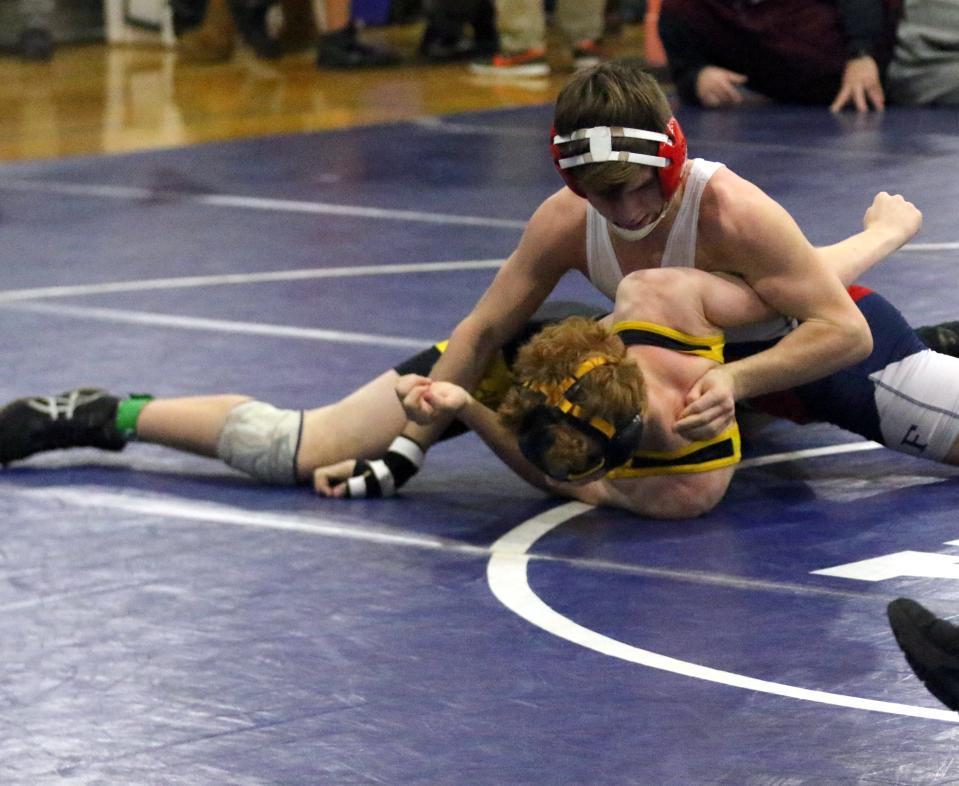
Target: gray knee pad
{"x":262,"y":441}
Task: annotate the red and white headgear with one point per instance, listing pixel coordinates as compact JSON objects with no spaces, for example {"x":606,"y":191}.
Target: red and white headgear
{"x":603,"y":141}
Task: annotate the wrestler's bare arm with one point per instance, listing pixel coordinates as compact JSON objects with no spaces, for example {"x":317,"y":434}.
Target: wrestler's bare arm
{"x":681,"y":496}
{"x":889,"y":223}
{"x":455,"y":402}
{"x":757,"y":239}
{"x":745,"y":232}
{"x":726,"y":301}
{"x":551,"y":246}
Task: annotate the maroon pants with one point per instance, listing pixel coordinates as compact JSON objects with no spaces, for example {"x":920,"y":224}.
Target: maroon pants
{"x":791,"y":50}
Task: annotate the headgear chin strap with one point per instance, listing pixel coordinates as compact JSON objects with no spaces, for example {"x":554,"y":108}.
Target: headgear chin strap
{"x":633,"y":235}
{"x":616,"y":442}
{"x":603,"y":141}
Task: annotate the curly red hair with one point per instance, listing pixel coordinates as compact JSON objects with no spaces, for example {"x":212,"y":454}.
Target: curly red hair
{"x":613,"y":391}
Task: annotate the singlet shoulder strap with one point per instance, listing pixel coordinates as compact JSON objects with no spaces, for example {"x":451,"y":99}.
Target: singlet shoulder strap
{"x":680,"y":248}
{"x":639,"y":333}
{"x":601,"y":261}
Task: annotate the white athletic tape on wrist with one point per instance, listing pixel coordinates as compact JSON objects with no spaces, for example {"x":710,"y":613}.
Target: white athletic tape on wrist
{"x":356,"y":487}
{"x":384,"y":477}
{"x":409,"y":449}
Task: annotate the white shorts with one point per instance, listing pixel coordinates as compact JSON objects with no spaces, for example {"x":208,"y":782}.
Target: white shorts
{"x":918,"y":403}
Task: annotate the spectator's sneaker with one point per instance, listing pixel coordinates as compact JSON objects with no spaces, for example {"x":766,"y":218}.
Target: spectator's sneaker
{"x":342,"y":49}
{"x":439,"y":50}
{"x":931,"y":647}
{"x":943,"y":337}
{"x":83,"y":418}
{"x":532,"y":62}
{"x":587,"y":54}
{"x":36,"y":43}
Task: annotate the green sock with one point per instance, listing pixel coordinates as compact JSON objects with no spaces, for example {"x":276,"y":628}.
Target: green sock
{"x":128,"y":411}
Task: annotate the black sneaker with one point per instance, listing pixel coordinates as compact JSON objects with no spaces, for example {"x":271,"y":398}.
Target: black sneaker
{"x":931,"y":646}
{"x":343,"y":49}
{"x":943,"y":337}
{"x":36,"y":43}
{"x":82,"y":418}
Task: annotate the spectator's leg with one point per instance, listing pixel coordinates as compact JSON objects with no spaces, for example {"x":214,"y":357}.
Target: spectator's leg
{"x":299,"y":25}
{"x":444,"y":37}
{"x":521,"y":25}
{"x":339,"y":46}
{"x":250,"y":18}
{"x":338,"y":14}
{"x":36,"y":38}
{"x":213,"y":40}
{"x":925,"y":66}
{"x":187,"y":14}
{"x":582,"y":22}
{"x":484,"y":27}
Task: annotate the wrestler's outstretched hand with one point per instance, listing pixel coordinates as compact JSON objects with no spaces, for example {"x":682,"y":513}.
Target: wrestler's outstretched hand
{"x":379,"y":477}
{"x":710,"y":406}
{"x":330,"y":481}
{"x":894,"y":214}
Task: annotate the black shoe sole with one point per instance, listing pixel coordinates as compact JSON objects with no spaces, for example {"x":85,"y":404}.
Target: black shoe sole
{"x":931,"y":647}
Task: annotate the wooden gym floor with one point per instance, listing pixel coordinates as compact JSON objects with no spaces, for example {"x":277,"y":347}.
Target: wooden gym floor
{"x":95,"y":98}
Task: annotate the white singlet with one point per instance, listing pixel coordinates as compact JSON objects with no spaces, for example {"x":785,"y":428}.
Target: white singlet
{"x":605,"y":272}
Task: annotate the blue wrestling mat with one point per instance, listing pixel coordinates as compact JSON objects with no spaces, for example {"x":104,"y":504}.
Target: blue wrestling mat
{"x":167,"y":621}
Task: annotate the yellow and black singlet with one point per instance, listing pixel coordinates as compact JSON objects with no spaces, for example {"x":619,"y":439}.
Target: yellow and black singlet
{"x":703,"y":455}
{"x":649,"y":334}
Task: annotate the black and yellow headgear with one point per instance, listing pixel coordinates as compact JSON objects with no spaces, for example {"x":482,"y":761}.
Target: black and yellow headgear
{"x":615,"y":442}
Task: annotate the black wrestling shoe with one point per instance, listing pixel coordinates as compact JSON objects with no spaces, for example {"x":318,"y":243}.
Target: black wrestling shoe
{"x":931,"y":646}
{"x":82,"y":418}
{"x":943,"y":337}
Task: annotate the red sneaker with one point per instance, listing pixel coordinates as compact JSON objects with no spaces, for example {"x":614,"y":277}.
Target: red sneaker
{"x":532,"y":62}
